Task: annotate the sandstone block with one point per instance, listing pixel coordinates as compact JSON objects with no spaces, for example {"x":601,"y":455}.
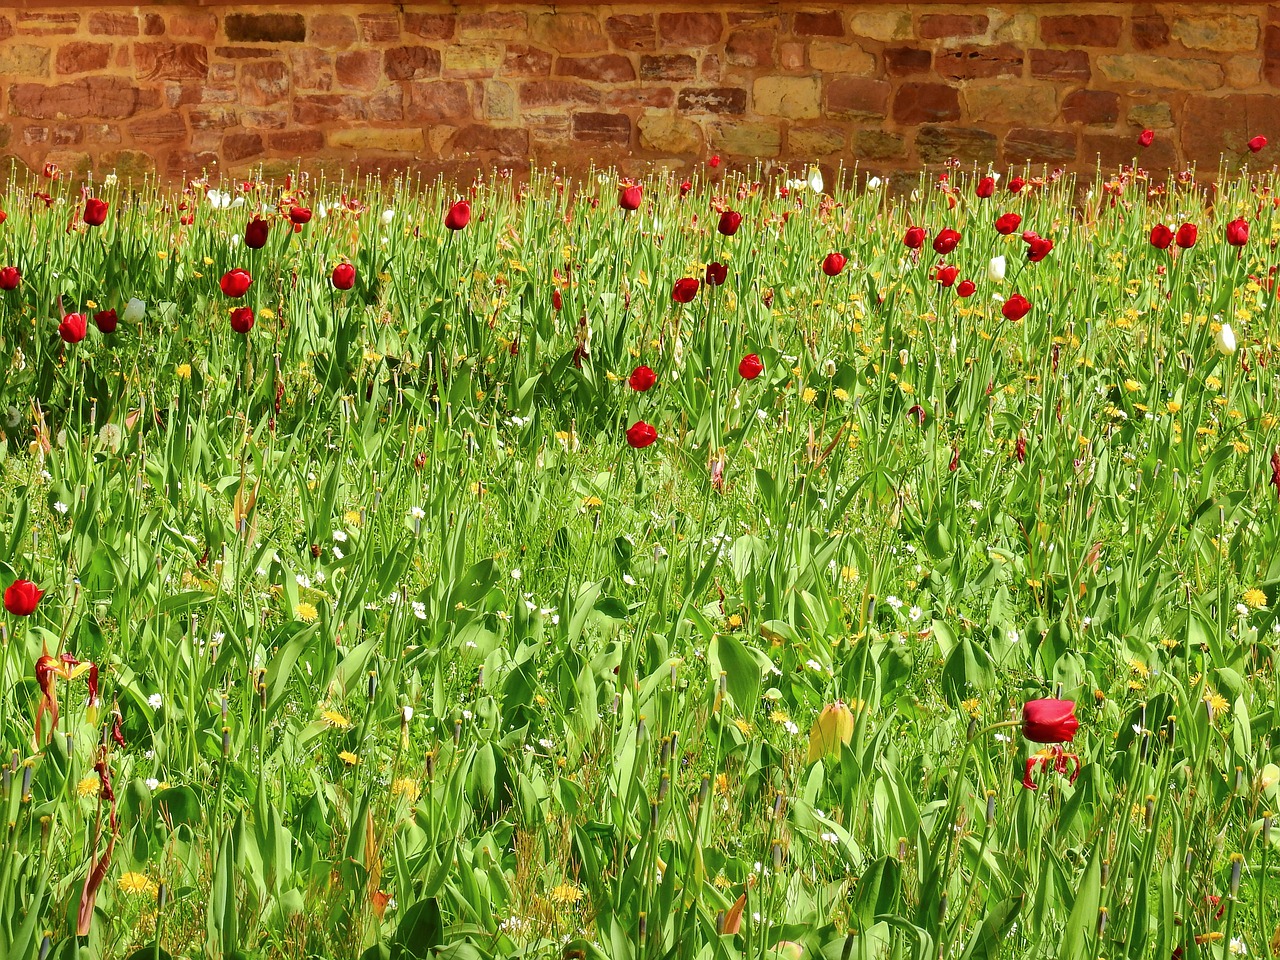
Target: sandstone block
{"x":795,"y":98}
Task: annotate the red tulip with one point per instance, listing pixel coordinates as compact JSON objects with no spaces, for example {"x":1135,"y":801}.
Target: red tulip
{"x":834,"y":264}
{"x":629,"y":198}
{"x":1257,"y":143}
{"x":73,"y":328}
{"x":242,"y":319}
{"x":1006,"y":223}
{"x":640,"y":435}
{"x":255,"y":234}
{"x":106,"y":320}
{"x":459,"y":216}
{"x":986,"y":188}
{"x":1016,"y":307}
{"x":729,"y":223}
{"x":947,"y":275}
{"x":21,"y":598}
{"x":946,"y":241}
{"x":642,"y":379}
{"x":95,"y":212}
{"x":1161,"y":236}
{"x":685,"y":290}
{"x":557,"y":299}
{"x":1016,"y":184}
{"x":717,"y":273}
{"x":685,"y":187}
{"x":10,"y":277}
{"x":3,"y":216}
{"x":1275,"y":470}
{"x":750,"y":367}
{"x":235,"y":283}
{"x":1146,"y":138}
{"x":344,"y":276}
{"x":916,"y":412}
{"x":1187,"y":236}
{"x":966,"y":288}
{"x":1049,"y":721}
{"x":914,"y":237}
{"x":715,"y":160}
{"x":1238,"y":232}
{"x":1038,"y":248}
{"x":300,"y":215}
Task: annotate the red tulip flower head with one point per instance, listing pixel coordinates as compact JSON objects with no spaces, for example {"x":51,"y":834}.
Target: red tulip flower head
{"x":1257,"y":143}
{"x":629,"y":198}
{"x":729,"y":223}
{"x":1007,"y":223}
{"x":916,"y":413}
{"x":299,"y":215}
{"x":1146,"y":138}
{"x":914,"y":237}
{"x":242,"y":319}
{"x":947,"y":275}
{"x":459,"y":216}
{"x":21,"y":598}
{"x":986,"y":188}
{"x":1016,"y":307}
{"x":73,"y":328}
{"x":834,"y":263}
{"x":642,"y":379}
{"x":10,"y":277}
{"x":1038,"y":248}
{"x":1238,"y":232}
{"x":255,"y":234}
{"x":640,"y":435}
{"x":1187,"y":236}
{"x":1049,"y":721}
{"x":945,"y":241}
{"x":966,"y":288}
{"x":344,"y":276}
{"x":1016,"y":184}
{"x":1161,"y":236}
{"x":714,"y":161}
{"x":235,"y":283}
{"x":750,"y":367}
{"x":95,"y":212}
{"x":685,"y":290}
{"x":557,"y":300}
{"x":106,"y":320}
{"x":717,"y":273}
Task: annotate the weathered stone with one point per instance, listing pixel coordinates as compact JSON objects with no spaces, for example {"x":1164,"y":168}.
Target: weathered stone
{"x":1060,"y":65}
{"x":430,"y":26}
{"x":128,"y":164}
{"x":907,"y":61}
{"x":83,"y":57}
{"x":113,"y":23}
{"x":609,"y":68}
{"x":672,"y":135}
{"x":525,"y":61}
{"x":1091,"y":30}
{"x":248,"y":53}
{"x":795,"y":98}
{"x":1211,"y":125}
{"x":463,"y":60}
{"x":24,"y":60}
{"x":815,"y":141}
{"x":614,"y":128}
{"x":632,"y":97}
{"x":883,"y":25}
{"x":1149,"y":29}
{"x":1163,"y":72}
{"x":491,"y":141}
{"x":161,"y":128}
{"x":1019,"y":28}
{"x":936,"y":144}
{"x":311,"y":68}
{"x":1217,"y":32}
{"x":1271,"y":54}
{"x":569,"y":33}
{"x":265,"y":27}
{"x":241,"y":146}
{"x":379,"y":27}
{"x":979,"y":62}
{"x":731,"y":100}
{"x":1243,"y":72}
{"x":751,"y":48}
{"x":992,"y":104}
{"x":400,"y":140}
{"x":68,"y":134}
{"x":690,"y":29}
{"x":746,"y":139}
{"x":828,"y":24}
{"x":411,"y":63}
{"x":1029,"y":145}
{"x":539,"y":94}
{"x":499,"y":100}
{"x":48,"y":23}
{"x":1154,"y":116}
{"x":926,"y":103}
{"x":938,"y":26}
{"x":171,"y":61}
{"x":855,"y":98}
{"x":791,"y":55}
{"x":333,"y":31}
{"x":668,"y":67}
{"x":106,"y":98}
{"x":263,"y":82}
{"x":295,"y":142}
{"x":843,"y":57}
{"x":358,"y":69}
{"x":1091,"y":107}
{"x":632,"y":31}
{"x":879,"y":145}
{"x":437,"y":100}
{"x":493,"y":25}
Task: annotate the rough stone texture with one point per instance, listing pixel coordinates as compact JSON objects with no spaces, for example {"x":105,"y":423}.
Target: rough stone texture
{"x":169,"y":89}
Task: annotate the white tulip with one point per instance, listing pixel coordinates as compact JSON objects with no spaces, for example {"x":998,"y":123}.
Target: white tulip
{"x":219,"y":199}
{"x":1225,"y":340}
{"x":815,"y":179}
{"x":995,"y":269}
{"x":134,"y":310}
{"x":388,"y":215}
{"x":237,"y":202}
{"x":874,"y":183}
{"x":322,"y":211}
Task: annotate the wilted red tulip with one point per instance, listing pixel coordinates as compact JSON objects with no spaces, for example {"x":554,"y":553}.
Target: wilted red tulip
{"x":1187,"y":236}
{"x":459,"y":216}
{"x":95,"y":212}
{"x":966,"y":288}
{"x":299,"y":215}
{"x":1275,"y":470}
{"x":1054,"y":758}
{"x":1161,"y":236}
{"x":73,"y":328}
{"x":834,"y":264}
{"x":986,"y":188}
{"x":914,"y":237}
{"x":51,"y":171}
{"x":642,"y":379}
{"x":1257,"y":143}
{"x":685,"y":290}
{"x":1016,"y":307}
{"x":344,"y":276}
{"x":640,"y":435}
{"x":1146,"y":138}
{"x":1049,"y":721}
{"x":1038,"y":248}
{"x":729,"y":223}
{"x":106,"y":320}
{"x":917,"y":413}
{"x":629,"y":198}
{"x":21,"y":598}
{"x":10,"y":277}
{"x":1006,"y":223}
{"x":557,"y":299}
{"x":946,"y":241}
{"x":716,"y":275}
{"x":1020,"y":448}
{"x":242,"y":319}
{"x":750,"y":367}
{"x":255,"y":234}
{"x":235,"y":283}
{"x":1238,"y":232}
{"x":947,"y":275}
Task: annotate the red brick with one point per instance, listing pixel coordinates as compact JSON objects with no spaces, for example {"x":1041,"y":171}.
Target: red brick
{"x":171,"y":61}
{"x":83,"y":57}
{"x":830,"y":24}
{"x":926,"y":103}
{"x":690,"y":29}
{"x":44,"y":24}
{"x":1149,"y":29}
{"x":153,"y":25}
{"x":674,"y":66}
{"x":379,"y":27}
{"x":602,"y":128}
{"x":751,"y":48}
{"x":310,"y":68}
{"x":241,"y":146}
{"x":430,"y":26}
{"x":938,"y":144}
{"x":906,"y":61}
{"x":113,"y":24}
{"x":491,"y":140}
{"x":266,"y":118}
{"x":100,"y":98}
{"x":437,"y":100}
{"x":937,"y":26}
{"x":610,"y":68}
{"x":263,"y":83}
{"x":332,"y":30}
{"x":1081,"y":31}
{"x":1091,"y":106}
{"x":296,"y":142}
{"x":632,"y":31}
{"x":212,"y":118}
{"x":978,"y":62}
{"x":710,"y":70}
{"x":411,"y":63}
{"x":856,"y":98}
{"x":188,"y":23}
{"x":358,"y":69}
{"x":1060,"y":65}
{"x":247,"y":53}
{"x":167,"y":127}
{"x":521,"y":60}
{"x":636,"y":96}
{"x":723,"y":100}
{"x":557,"y":93}
{"x":265,"y":27}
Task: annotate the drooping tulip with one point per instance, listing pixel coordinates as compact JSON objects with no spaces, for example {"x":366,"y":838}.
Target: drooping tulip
{"x":986,"y":188}
{"x":947,"y":275}
{"x":1038,"y":248}
{"x":106,"y":321}
{"x":966,"y":288}
{"x":1257,"y":143}
{"x":1007,"y":223}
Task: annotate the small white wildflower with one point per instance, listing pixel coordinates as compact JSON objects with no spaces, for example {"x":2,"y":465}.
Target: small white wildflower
{"x":155,"y":701}
{"x":152,"y":783}
{"x":61,"y":507}
{"x":340,"y":536}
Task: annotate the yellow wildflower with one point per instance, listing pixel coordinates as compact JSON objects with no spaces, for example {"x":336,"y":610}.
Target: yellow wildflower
{"x":1255,"y":598}
{"x":136,"y":883}
{"x":306,"y":612}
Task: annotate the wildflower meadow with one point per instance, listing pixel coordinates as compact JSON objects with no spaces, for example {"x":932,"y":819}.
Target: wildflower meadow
{"x":583,"y":567}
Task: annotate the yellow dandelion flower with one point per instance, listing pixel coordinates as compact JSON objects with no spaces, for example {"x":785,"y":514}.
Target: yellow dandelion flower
{"x":266,"y":313}
{"x":136,"y":884}
{"x":722,"y":882}
{"x":779,"y":716}
{"x":333,"y":718}
{"x":183,"y":370}
{"x":406,"y":787}
{"x":565,"y":893}
{"x":1255,"y":598}
{"x":539,"y":699}
{"x":1133,"y":386}
{"x":1215,"y":700}
{"x":743,"y":726}
{"x":735,"y":622}
{"x":352,"y":517}
{"x":306,"y":612}
{"x":349,"y":758}
{"x":88,"y":787}
{"x":1138,"y":667}
{"x":1173,"y":406}
{"x":1239,"y":446}
{"x":840,"y":394}
{"x":972,"y":707}
{"x":809,"y":395}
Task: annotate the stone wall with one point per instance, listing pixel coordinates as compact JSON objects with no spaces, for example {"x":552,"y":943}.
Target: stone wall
{"x":181,"y":87}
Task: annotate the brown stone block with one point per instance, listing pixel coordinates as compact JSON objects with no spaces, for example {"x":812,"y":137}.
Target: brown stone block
{"x":411,"y":63}
{"x":265,"y":27}
{"x":241,"y":146}
{"x":105,"y":98}
{"x":521,"y":60}
{"x":213,"y":118}
{"x":493,"y":25}
{"x":1076,"y":30}
{"x":1061,"y":65}
{"x":47,"y":23}
{"x":1091,"y":107}
{"x":569,"y":33}
{"x":979,"y":62}
{"x":690,"y":29}
{"x":6,"y":28}
{"x":841,"y":56}
{"x":171,"y":61}
{"x":925,"y":103}
{"x":296,"y":142}
{"x":662,"y":133}
{"x":907,"y":61}
{"x":674,"y":66}
{"x":1210,"y":126}
{"x":879,"y":145}
{"x":612,"y":128}
{"x":358,"y":69}
{"x":430,"y":26}
{"x":936,"y":144}
{"x":266,"y":118}
{"x":68,"y":134}
{"x":248,"y":53}
{"x":1033,"y":104}
{"x":113,"y":24}
{"x":940,"y":26}
{"x":751,"y":48}
{"x":167,"y":127}
{"x":153,"y":25}
{"x":483,"y":139}
{"x":404,"y":140}
{"x":182,"y":164}
{"x":437,"y":100}
{"x":856,"y":98}
{"x":471,"y":60}
{"x":1271,"y":54}
{"x":1170,"y":73}
{"x":128,"y":164}
{"x":332,"y":30}
{"x":1149,"y":29}
{"x":609,"y":68}
{"x":1219,"y":32}
{"x":638,"y":96}
{"x":190,"y":23}
{"x":311,"y":68}
{"x":791,"y":98}
{"x":827,"y":24}
{"x":746,"y":139}
{"x":539,"y":94}
{"x":730,"y":100}
{"x":815,"y":141}
{"x":379,"y":27}
{"x":1032,"y":145}
{"x":263,"y":83}
{"x":24,"y":60}
{"x":632,"y":31}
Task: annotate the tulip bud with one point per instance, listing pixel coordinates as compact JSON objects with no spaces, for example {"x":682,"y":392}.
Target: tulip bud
{"x":996,"y":269}
{"x":1225,"y":340}
{"x":134,"y":310}
{"x":833,"y":728}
